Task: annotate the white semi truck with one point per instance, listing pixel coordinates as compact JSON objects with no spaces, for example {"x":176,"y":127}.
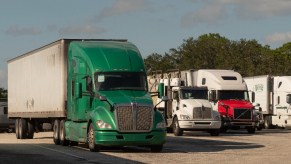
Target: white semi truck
{"x":273,"y":94}
{"x":189,"y":108}
{"x":229,"y":96}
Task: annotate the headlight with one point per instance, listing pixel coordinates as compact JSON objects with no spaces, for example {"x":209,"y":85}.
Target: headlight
{"x":217,"y":118}
{"x":184,"y":117}
{"x":161,"y":125}
{"x":102,"y":124}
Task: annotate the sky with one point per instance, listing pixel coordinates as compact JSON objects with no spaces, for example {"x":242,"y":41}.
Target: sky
{"x":154,"y":26}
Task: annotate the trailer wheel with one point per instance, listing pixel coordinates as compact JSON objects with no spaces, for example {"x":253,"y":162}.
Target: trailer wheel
{"x":56,"y":134}
{"x":22,"y":128}
{"x":91,"y":140}
{"x":30,"y":129}
{"x":156,"y":148}
{"x":63,"y":140}
{"x":176,"y":128}
{"x":17,"y":128}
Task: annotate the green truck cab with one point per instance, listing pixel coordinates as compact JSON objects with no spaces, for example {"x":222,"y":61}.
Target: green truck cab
{"x":107,"y":98}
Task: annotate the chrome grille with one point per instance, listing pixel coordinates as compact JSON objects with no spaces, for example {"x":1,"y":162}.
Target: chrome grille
{"x":242,"y":114}
{"x":134,"y":118}
{"x":202,"y":113}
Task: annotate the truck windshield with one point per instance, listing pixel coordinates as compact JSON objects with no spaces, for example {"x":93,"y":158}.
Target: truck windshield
{"x":237,"y":95}
{"x":120,"y":81}
{"x":194,"y":94}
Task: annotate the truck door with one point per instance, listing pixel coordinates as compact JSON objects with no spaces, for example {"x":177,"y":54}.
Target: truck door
{"x":80,"y":102}
{"x":176,"y":100}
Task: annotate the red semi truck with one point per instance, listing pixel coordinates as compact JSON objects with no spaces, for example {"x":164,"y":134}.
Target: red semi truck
{"x":228,"y":95}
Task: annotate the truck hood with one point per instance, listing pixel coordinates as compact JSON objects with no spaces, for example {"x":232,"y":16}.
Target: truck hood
{"x":236,"y":103}
{"x":127,"y":97}
{"x":196,"y":103}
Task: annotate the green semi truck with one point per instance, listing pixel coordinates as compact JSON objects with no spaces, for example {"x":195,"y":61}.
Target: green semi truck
{"x":87,"y":91}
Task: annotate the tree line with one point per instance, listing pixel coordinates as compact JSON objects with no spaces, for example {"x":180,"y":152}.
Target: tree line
{"x":212,"y":51}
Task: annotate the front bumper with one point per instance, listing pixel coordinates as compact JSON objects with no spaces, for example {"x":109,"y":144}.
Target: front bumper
{"x":199,"y":125}
{"x":113,"y":138}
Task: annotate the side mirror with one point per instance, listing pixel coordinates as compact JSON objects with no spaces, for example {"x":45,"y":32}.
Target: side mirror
{"x":212,"y":96}
{"x":253,"y":97}
{"x":175,"y":95}
{"x":288,"y":99}
{"x":160,"y":90}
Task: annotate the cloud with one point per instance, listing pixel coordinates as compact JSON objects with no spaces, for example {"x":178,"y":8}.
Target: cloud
{"x":209,"y":14}
{"x":123,"y":7}
{"x":80,"y":30}
{"x":219,"y":10}
{"x":20,"y":31}
{"x":279,"y":37}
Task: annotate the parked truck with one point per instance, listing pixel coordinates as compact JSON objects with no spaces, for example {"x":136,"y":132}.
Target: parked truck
{"x":189,"y":108}
{"x":90,"y":91}
{"x":5,"y":123}
{"x":273,"y":95}
{"x":228,"y":95}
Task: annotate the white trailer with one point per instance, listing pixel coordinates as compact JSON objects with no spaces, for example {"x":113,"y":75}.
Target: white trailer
{"x":273,"y":94}
{"x":37,"y":86}
{"x":189,"y":108}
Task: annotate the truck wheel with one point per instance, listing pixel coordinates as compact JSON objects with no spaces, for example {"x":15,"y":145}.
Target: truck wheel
{"x":214,"y":132}
{"x":251,"y":130}
{"x":91,"y":140}
{"x":63,"y":140}
{"x":56,"y":134}
{"x":17,"y":128}
{"x":156,"y":148}
{"x":267,"y":122}
{"x":176,"y":128}
{"x":30,"y":129}
{"x":22,"y":128}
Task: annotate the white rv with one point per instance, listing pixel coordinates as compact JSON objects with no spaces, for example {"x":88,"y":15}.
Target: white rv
{"x":5,"y":123}
{"x":189,"y":108}
{"x":273,"y":94}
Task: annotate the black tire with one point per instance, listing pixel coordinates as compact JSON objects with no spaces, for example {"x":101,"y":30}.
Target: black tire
{"x":156,"y":148}
{"x":223,"y":129}
{"x":267,"y":122}
{"x":214,"y":132}
{"x":91,"y":139}
{"x":22,"y":128}
{"x":251,"y":130}
{"x":30,"y":130}
{"x":56,"y":134}
{"x":63,"y":140}
{"x":17,"y":128}
{"x":176,"y":128}
{"x":260,"y":127}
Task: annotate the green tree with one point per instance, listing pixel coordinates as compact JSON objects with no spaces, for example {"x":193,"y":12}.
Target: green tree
{"x":3,"y":93}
